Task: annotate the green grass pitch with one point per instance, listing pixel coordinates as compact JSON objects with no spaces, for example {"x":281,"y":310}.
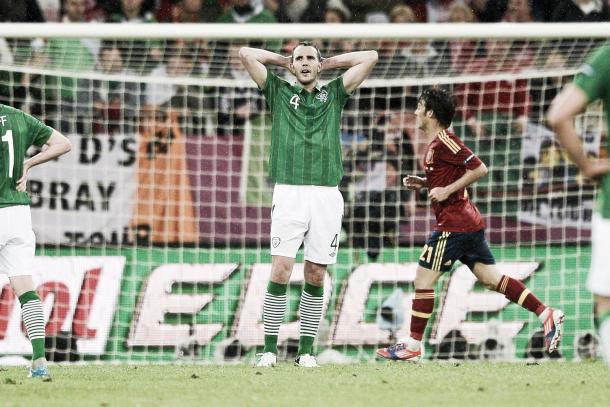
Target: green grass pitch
{"x":375,"y":384}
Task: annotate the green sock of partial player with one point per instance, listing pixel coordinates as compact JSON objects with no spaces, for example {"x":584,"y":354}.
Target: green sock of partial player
{"x":273,"y":314}
{"x":310,"y":310}
{"x":33,"y":319}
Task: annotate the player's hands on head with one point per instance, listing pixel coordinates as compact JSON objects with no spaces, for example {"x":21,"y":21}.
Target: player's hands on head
{"x":323,"y":64}
{"x":596,"y":168}
{"x":439,"y":194}
{"x":22,"y":182}
{"x":413,"y":182}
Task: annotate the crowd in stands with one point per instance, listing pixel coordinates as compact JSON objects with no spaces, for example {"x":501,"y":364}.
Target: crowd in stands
{"x":376,"y":154}
{"x":307,"y":11}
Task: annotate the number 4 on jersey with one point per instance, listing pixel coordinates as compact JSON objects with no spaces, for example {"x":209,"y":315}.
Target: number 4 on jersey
{"x":294,"y":101}
{"x":8,"y":138}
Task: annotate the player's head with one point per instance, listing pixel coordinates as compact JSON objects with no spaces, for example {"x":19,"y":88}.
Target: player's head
{"x":305,"y":62}
{"x":435,"y":105}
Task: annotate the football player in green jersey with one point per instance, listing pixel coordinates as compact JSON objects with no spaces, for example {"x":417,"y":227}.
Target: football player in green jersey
{"x":590,"y":84}
{"x":19,"y":131}
{"x":305,"y":165}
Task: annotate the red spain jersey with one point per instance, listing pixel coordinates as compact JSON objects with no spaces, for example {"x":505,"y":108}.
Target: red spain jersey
{"x":445,"y":161}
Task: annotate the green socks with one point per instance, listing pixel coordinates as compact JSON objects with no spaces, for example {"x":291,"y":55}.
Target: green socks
{"x":33,"y":319}
{"x":310,"y":310}
{"x":273,"y":314}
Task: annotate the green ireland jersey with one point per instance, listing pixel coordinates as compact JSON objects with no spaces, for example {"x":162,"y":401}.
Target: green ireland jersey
{"x":594,"y":80}
{"x":305,"y":132}
{"x":18,"y":131}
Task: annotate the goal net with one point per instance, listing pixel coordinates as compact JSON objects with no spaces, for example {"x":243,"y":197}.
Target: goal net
{"x":153,"y":233}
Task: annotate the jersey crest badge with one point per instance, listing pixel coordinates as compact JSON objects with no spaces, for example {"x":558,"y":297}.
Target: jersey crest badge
{"x":322,"y":96}
{"x":430,"y":157}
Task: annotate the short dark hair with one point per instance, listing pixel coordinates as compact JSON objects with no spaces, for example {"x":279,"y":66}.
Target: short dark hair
{"x":307,"y":44}
{"x":441,"y":102}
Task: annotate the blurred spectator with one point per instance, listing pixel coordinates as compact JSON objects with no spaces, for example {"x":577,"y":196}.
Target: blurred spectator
{"x":75,"y":12}
{"x":419,"y":8}
{"x":543,"y":90}
{"x":68,"y":54}
{"x":189,"y":11}
{"x":377,"y":208}
{"x":508,"y":98}
{"x":437,"y":11}
{"x":460,"y":13}
{"x":140,"y":55}
{"x":180,"y":63}
{"x":462,"y":50}
{"x":388,"y":50}
{"x":114,"y":6}
{"x":131,"y":11}
{"x":336,"y":12}
{"x":235,"y":106}
{"x":431,"y":11}
{"x":108,"y":106}
{"x":402,"y":14}
{"x":518,"y":11}
{"x":247,"y":11}
{"x":370,"y":11}
{"x":580,"y":11}
{"x":297,"y":11}
{"x":542,"y":10}
{"x":14,"y":85}
{"x":51,"y":10}
{"x":489,"y":11}
{"x":493,"y":113}
{"x":419,"y":58}
{"x":22,"y":11}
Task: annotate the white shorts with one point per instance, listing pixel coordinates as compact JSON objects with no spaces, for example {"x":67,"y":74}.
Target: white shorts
{"x":308,"y":214}
{"x":17,"y":241}
{"x":599,"y":274}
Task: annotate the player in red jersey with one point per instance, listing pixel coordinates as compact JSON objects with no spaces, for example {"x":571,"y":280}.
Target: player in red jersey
{"x":459,"y":233}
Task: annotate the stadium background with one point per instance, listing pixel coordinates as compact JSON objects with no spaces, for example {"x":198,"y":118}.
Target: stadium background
{"x":153,"y":231}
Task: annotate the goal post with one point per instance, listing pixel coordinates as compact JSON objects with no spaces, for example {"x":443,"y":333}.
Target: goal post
{"x":153,"y":233}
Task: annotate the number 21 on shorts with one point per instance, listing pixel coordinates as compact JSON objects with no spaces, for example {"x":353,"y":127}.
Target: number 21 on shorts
{"x":426,"y":254}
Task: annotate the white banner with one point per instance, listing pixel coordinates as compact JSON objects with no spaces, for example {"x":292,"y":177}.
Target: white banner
{"x":87,"y":195}
{"x":79,"y":296}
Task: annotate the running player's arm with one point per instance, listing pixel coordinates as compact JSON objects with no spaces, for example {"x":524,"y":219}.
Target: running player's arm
{"x":254,"y":60}
{"x":456,"y":153}
{"x":413,"y":182}
{"x":588,"y":86}
{"x":57,"y":144}
{"x":359,"y":64}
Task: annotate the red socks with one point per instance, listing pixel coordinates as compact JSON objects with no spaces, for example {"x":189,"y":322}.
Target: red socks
{"x":517,"y":292}
{"x":421,"y":310}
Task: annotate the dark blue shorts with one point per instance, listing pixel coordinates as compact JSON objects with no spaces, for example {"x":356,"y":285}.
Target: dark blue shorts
{"x":444,"y":248}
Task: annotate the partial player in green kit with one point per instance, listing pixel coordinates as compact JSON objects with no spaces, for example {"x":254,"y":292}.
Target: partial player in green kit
{"x":19,"y":131}
{"x":590,"y":84}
